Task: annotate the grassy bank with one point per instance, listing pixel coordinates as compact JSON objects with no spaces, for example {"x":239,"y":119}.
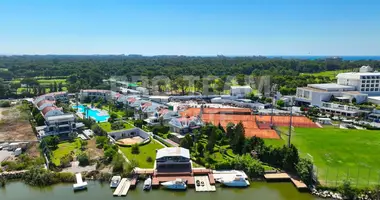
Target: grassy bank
{"x":148,"y":150}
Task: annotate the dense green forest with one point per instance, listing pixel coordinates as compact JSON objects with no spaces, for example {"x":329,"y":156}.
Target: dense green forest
{"x":89,"y":71}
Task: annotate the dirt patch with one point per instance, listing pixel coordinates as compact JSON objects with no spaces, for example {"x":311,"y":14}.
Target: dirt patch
{"x":131,"y":141}
{"x":33,"y":150}
{"x":14,"y":126}
{"x":94,"y":152}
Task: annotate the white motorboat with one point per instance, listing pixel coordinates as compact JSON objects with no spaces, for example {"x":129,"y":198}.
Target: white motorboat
{"x":147,"y":184}
{"x":177,"y":184}
{"x":115,"y":181}
{"x":237,"y":181}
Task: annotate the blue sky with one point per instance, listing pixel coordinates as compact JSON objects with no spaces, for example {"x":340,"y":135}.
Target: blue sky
{"x":196,"y":27}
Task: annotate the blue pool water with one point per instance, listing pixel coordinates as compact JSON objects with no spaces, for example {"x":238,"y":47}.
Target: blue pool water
{"x":94,"y":114}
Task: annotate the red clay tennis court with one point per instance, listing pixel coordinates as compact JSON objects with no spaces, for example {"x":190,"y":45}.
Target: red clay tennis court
{"x":255,"y":125}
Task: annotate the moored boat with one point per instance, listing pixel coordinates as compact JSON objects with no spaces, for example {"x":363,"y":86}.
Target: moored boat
{"x":115,"y":181}
{"x":177,"y":184}
{"x":148,"y":184}
{"x":237,"y":181}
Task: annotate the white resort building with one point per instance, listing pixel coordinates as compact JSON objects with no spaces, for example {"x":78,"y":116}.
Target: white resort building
{"x":359,"y":85}
{"x":95,"y":94}
{"x":56,"y":121}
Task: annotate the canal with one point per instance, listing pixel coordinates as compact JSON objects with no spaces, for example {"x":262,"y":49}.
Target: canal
{"x":96,"y":190}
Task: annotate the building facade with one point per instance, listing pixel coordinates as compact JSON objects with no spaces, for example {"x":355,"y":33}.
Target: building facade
{"x":58,"y":125}
{"x":173,"y":159}
{"x":240,"y":91}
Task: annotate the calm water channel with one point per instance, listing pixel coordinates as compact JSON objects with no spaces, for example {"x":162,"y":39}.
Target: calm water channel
{"x":96,"y":190}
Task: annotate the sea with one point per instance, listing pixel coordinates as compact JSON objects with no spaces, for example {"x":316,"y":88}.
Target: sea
{"x":347,"y":58}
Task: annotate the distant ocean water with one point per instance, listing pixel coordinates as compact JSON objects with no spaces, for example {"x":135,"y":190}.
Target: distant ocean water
{"x":323,"y":57}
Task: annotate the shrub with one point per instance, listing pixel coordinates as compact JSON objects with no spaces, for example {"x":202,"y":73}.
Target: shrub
{"x":83,"y":159}
{"x":65,"y":160}
{"x":117,"y":125}
{"x":149,"y":159}
{"x":4,"y":104}
{"x":135,"y":149}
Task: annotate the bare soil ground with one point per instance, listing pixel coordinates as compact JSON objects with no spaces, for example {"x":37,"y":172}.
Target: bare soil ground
{"x":14,"y":126}
{"x":94,"y":152}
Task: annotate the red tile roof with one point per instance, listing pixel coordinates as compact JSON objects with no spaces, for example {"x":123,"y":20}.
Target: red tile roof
{"x":49,"y":108}
{"x":43,"y":102}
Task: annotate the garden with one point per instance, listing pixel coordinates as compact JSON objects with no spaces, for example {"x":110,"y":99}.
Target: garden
{"x":144,"y":155}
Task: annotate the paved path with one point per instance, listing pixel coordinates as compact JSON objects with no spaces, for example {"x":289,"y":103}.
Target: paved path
{"x":75,"y":168}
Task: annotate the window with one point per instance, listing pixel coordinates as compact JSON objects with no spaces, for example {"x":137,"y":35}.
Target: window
{"x":372,"y":89}
{"x":367,"y":85}
{"x":373,"y":77}
{"x":372,"y":85}
{"x":377,"y":85}
{"x":376,"y":89}
{"x":362,"y":89}
{"x":372,"y":81}
{"x":367,"y":89}
{"x":363,"y":77}
{"x":363,"y":85}
{"x":377,"y":81}
{"x":363,"y":81}
{"x":368,"y":77}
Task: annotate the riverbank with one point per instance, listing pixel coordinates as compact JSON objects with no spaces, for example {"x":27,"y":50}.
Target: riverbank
{"x":97,"y":190}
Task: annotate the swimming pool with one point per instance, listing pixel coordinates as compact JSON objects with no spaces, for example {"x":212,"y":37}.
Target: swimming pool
{"x":98,"y":116}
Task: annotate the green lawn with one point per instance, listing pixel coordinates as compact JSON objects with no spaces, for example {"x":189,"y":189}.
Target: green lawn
{"x":63,"y":149}
{"x":275,"y":142}
{"x":341,"y":154}
{"x":47,"y":90}
{"x":331,"y":74}
{"x":148,"y":150}
{"x":106,"y":126}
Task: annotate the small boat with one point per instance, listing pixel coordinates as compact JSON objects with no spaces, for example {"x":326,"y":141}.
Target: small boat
{"x":177,"y":184}
{"x":147,"y":184}
{"x":115,"y":181}
{"x":237,"y":181}
{"x":80,"y":185}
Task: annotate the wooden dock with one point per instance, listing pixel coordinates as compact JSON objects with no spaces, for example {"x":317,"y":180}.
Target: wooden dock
{"x":299,"y":184}
{"x":207,"y":186}
{"x":286,"y":177}
{"x":277,"y":177}
{"x":122,"y":188}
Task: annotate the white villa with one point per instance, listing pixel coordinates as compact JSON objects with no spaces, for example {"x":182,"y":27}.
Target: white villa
{"x":58,"y":124}
{"x":240,"y":91}
{"x":184,"y":125}
{"x":95,"y":94}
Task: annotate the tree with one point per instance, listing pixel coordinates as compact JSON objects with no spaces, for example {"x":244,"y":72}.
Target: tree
{"x":60,"y":87}
{"x":353,"y":100}
{"x":55,"y":87}
{"x":40,"y":120}
{"x":200,"y":149}
{"x":50,"y":141}
{"x":72,"y":136}
{"x":304,"y":170}
{"x":280,"y":103}
{"x":238,"y":139}
{"x":186,"y":142}
{"x":291,"y":158}
{"x":139,"y":123}
{"x":240,"y":79}
{"x":118,"y":163}
{"x":347,"y":191}
{"x":65,"y":160}
{"x":230,"y":130}
{"x":109,"y":154}
{"x":212,"y":140}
